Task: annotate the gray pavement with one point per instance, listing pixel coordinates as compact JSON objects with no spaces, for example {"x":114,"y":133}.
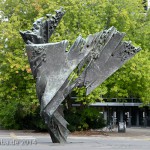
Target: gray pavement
{"x":133,"y":139}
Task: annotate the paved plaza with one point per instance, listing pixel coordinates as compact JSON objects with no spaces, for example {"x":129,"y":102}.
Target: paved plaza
{"x":133,"y":139}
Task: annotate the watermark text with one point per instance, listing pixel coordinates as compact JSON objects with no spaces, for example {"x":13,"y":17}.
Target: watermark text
{"x":17,"y":142}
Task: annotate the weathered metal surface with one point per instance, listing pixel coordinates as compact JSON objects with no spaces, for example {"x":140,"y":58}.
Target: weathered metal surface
{"x":102,"y":54}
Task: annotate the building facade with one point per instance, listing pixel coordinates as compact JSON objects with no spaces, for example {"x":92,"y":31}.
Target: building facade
{"x":133,"y":113}
{"x":130,"y":111}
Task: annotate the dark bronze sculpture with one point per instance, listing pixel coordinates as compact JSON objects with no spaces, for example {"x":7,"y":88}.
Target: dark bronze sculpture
{"x":100,"y":55}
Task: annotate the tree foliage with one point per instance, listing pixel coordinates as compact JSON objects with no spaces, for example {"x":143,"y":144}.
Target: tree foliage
{"x":84,"y":119}
{"x":17,"y":86}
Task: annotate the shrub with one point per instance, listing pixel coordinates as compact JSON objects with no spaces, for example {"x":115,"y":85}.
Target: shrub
{"x":84,"y":119}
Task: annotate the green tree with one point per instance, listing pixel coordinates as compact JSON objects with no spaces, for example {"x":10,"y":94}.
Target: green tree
{"x":17,"y":87}
{"x":133,"y":79}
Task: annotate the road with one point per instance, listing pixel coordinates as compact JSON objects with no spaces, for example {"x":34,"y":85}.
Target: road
{"x":133,"y":139}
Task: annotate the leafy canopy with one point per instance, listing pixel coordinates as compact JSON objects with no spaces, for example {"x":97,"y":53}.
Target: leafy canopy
{"x":17,"y":86}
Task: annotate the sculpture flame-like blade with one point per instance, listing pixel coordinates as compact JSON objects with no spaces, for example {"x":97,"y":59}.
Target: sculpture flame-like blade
{"x":103,"y":53}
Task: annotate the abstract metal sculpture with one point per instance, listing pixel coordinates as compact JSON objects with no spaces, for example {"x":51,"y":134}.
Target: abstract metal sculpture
{"x":101,"y":55}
